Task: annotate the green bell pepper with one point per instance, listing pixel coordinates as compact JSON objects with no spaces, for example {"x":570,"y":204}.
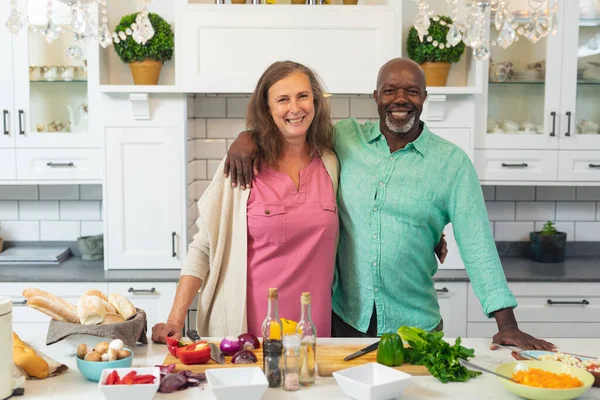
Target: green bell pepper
{"x":391,"y":350}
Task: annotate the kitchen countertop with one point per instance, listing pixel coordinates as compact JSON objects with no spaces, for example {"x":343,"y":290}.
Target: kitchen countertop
{"x":516,"y":269}
{"x":72,"y":385}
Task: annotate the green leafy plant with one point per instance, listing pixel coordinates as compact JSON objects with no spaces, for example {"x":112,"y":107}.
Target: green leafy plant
{"x":159,"y":47}
{"x":548,"y":229}
{"x":425,"y":51}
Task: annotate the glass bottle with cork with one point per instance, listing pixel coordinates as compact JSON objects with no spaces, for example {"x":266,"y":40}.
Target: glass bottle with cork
{"x":308,"y":342}
{"x":291,"y":362}
{"x":272,"y":330}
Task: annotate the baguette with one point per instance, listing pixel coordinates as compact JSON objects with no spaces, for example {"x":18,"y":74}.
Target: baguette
{"x":27,"y":359}
{"x":90,"y":310}
{"x":123,"y":306}
{"x":108,"y":307}
{"x":52,"y":309}
{"x":97,"y":293}
{"x":31,"y":292}
{"x":111,"y":318}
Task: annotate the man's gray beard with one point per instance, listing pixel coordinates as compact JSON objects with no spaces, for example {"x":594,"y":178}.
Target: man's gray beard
{"x":400,"y":128}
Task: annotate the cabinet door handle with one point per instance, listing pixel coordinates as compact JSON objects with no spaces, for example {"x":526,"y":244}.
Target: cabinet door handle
{"x":553,"y":133}
{"x":21,"y":131}
{"x":442,"y":290}
{"x":568,"y":124}
{"x":140,"y":291}
{"x":4,"y":119}
{"x":594,"y":165}
{"x":174,"y":254}
{"x":60,"y":165}
{"x":582,"y":302}
{"x":522,"y":165}
{"x":20,"y":303}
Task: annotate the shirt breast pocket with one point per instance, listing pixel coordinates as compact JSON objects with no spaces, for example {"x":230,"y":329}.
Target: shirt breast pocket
{"x":266,"y":222}
{"x":331,"y":219}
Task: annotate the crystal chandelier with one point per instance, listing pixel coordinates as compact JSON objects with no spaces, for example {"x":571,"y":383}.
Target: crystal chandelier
{"x":533,"y":23}
{"x":82,"y":26}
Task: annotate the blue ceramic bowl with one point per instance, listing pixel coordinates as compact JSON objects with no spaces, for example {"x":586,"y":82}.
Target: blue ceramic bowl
{"x":92,"y":370}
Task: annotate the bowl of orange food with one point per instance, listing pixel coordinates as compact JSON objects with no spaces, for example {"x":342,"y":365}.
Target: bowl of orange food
{"x":545,"y":380}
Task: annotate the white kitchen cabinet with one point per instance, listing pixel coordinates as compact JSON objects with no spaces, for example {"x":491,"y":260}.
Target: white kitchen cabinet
{"x":230,"y":46}
{"x":545,"y":310}
{"x":452,"y":297}
{"x":516,"y":165}
{"x":144,"y":198}
{"x":155,"y":298}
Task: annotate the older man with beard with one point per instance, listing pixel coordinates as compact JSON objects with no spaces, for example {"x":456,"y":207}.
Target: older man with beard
{"x":400,"y":185}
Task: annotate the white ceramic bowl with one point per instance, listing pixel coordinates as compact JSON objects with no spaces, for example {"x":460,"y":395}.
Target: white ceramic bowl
{"x":248,"y":383}
{"x":372,"y":381}
{"x":129,"y":392}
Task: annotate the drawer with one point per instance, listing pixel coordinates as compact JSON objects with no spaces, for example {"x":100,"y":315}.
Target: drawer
{"x":70,"y":292}
{"x":59,"y":164}
{"x":579,"y":165}
{"x":452,"y":297}
{"x":548,"y":302}
{"x":7,"y":164}
{"x":543,"y":330}
{"x":516,"y":165}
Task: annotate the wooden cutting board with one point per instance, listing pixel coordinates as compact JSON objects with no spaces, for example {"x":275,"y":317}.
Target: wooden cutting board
{"x":330,"y":358}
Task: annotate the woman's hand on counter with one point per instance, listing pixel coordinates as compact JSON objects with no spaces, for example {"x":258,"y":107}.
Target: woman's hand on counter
{"x":515,"y":337}
{"x":161,"y":330}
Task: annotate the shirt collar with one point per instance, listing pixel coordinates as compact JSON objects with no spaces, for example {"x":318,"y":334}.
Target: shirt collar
{"x":419,"y":144}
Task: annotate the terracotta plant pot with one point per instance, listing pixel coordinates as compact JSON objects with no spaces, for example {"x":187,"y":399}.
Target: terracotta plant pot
{"x":436,"y":74}
{"x":145,"y":72}
{"x":351,"y":2}
{"x":238,"y":1}
{"x":1,"y":244}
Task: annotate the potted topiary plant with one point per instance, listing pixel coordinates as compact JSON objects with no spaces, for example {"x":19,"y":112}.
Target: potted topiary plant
{"x":145,"y":59}
{"x":433,"y":53}
{"x":548,"y":245}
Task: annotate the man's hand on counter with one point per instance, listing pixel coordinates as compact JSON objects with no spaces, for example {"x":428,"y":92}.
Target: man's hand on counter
{"x":510,"y":334}
{"x":161,"y":331}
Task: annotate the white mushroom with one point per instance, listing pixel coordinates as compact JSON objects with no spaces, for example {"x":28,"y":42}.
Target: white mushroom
{"x":116,"y":344}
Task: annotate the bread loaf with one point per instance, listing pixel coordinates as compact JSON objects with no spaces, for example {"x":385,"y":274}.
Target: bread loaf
{"x":53,"y":309}
{"x":31,"y":292}
{"x":111,"y":318}
{"x":123,"y":306}
{"x":97,"y":293}
{"x":90,"y":310}
{"x":26,"y":359}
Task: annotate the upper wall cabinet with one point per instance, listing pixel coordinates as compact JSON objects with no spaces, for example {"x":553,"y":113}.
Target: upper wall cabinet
{"x":229,"y":46}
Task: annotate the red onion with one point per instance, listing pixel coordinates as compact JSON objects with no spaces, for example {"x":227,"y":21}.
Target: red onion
{"x":230,"y":345}
{"x":249,"y":341}
{"x":244,"y":357}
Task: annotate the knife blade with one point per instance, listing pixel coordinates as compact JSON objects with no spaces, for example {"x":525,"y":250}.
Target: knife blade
{"x":362,"y":352}
{"x":215,"y":353}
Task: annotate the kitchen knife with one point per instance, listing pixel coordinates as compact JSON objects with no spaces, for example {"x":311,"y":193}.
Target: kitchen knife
{"x":362,"y":352}
{"x":215,"y":353}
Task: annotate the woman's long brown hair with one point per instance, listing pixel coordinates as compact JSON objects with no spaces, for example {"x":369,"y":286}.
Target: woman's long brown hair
{"x":258,"y":117}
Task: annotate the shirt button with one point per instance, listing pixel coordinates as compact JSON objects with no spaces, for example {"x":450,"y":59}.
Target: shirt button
{"x":267,"y":212}
{"x":374,"y":264}
{"x":377,"y":290}
{"x":374,"y":208}
{"x":381,"y":183}
{"x":391,"y":158}
{"x":374,"y":236}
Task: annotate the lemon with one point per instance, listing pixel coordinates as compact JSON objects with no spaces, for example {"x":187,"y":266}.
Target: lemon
{"x":289,"y":328}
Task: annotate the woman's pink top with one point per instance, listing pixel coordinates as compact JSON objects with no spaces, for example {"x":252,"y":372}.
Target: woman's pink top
{"x":291,"y":245}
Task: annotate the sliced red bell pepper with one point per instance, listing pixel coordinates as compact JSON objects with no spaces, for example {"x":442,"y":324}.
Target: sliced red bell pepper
{"x":113,"y":378}
{"x":195,"y":353}
{"x":142,"y":379}
{"x":172,"y":345}
{"x":128,"y":379}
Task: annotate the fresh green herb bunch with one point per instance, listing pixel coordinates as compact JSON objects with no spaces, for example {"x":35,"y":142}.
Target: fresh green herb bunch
{"x":159,"y":47}
{"x":425,"y":51}
{"x":548,"y":229}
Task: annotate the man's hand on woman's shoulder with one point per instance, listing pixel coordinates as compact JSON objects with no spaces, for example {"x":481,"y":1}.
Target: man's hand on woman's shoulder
{"x":242,"y":160}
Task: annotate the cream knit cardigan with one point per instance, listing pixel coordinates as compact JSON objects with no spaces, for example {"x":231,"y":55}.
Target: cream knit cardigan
{"x":218,"y":254}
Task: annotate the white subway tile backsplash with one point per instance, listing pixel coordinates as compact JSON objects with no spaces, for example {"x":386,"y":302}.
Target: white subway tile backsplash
{"x":489,"y":193}
{"x":212,"y":168}
{"x":189,"y":102}
{"x":191,"y":172}
{"x":363,"y":108}
{"x":191,"y":150}
{"x":90,"y":192}
{"x":200,"y":128}
{"x":92,"y":228}
{"x":236,"y":107}
{"x":555,"y":193}
{"x":19,"y":192}
{"x":575,"y":211}
{"x":210,"y":107}
{"x":340,"y":107}
{"x":79,"y":210}
{"x":191,"y":129}
{"x":38,"y":210}
{"x":211,"y":148}
{"x":60,"y":230}
{"x":588,"y":193}
{"x":515,"y":193}
{"x":512,"y":231}
{"x":567,"y":227}
{"x":9,"y":210}
{"x":200,"y":168}
{"x":21,"y":230}
{"x":501,"y":210}
{"x":200,"y":187}
{"x":224,"y":128}
{"x":59,"y":192}
{"x":536,"y":211}
{"x":587,"y":231}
